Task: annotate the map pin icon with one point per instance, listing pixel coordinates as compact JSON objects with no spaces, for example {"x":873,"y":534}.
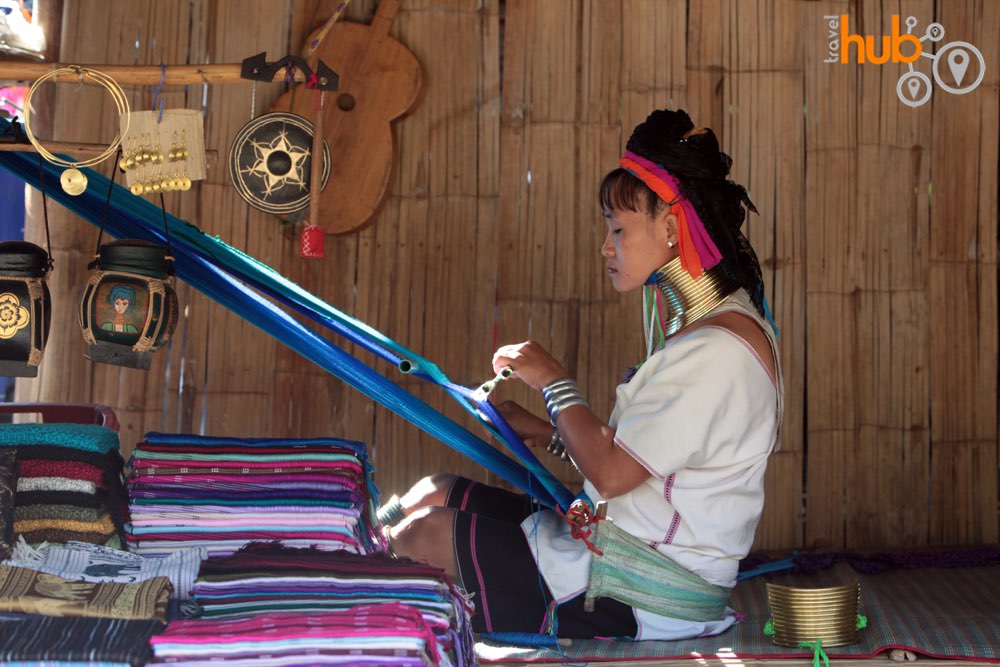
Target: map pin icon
{"x":914,"y":87}
{"x":958,"y":63}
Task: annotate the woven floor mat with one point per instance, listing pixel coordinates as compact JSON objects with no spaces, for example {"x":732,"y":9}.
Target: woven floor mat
{"x":942,"y":613}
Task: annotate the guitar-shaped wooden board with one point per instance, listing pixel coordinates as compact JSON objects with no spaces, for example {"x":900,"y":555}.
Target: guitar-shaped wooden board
{"x":380,"y":81}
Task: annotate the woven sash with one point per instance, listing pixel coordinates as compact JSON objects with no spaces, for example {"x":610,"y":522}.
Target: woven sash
{"x":635,"y":573}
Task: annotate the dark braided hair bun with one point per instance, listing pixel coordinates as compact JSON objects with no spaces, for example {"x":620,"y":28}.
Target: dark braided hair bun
{"x":670,"y":139}
{"x":692,"y":155}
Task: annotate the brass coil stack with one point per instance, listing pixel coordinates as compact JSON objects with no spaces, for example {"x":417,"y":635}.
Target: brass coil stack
{"x":809,"y":614}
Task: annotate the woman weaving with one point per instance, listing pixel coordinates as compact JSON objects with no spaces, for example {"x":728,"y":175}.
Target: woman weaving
{"x":680,"y":463}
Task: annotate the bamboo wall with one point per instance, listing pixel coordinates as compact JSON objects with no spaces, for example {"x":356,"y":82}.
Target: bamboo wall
{"x":877,"y":234}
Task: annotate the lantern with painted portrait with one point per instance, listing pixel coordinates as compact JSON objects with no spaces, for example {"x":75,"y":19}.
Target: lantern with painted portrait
{"x":128,"y":309}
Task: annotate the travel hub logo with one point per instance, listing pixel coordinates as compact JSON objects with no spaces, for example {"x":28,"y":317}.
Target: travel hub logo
{"x":957,"y":67}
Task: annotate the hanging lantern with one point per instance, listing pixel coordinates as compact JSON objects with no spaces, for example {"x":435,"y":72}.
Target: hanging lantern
{"x":25,"y":307}
{"x":129,"y":308}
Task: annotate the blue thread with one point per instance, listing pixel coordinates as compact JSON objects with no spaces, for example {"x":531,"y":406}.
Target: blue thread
{"x":536,"y":514}
{"x":766,"y":568}
{"x":770,"y":317}
{"x":532,"y":639}
{"x":231,"y":277}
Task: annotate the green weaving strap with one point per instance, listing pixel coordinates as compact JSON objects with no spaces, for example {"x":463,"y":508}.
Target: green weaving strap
{"x":632,"y":572}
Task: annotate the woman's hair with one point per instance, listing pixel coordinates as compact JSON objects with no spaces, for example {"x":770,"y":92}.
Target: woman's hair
{"x":692,"y":156}
{"x":126,"y":292}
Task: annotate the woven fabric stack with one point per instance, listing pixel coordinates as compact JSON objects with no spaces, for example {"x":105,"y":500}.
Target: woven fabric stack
{"x":46,"y":618}
{"x":222,"y":493}
{"x":384,"y":634}
{"x":270,"y":600}
{"x":63,"y":509}
{"x":60,"y":483}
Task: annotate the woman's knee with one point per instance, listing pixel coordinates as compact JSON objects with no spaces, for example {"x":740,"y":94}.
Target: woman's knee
{"x":426,"y":525}
{"x":431,"y":491}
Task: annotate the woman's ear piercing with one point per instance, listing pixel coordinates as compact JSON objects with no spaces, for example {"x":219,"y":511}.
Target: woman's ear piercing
{"x":671,"y":244}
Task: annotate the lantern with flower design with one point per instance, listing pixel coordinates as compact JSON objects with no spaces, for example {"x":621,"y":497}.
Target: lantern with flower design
{"x":25,"y":307}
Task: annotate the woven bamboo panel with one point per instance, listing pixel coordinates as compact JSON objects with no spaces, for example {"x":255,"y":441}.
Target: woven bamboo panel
{"x":876,"y":231}
{"x":763,"y":131}
{"x":962,"y":294}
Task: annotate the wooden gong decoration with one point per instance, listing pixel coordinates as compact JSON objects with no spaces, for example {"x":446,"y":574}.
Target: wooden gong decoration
{"x":270,"y":162}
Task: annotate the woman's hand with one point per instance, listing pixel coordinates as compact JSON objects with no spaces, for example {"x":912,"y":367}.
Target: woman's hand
{"x":530,"y":362}
{"x":535,"y":431}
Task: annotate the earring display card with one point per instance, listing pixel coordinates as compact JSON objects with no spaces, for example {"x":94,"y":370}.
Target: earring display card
{"x":163,"y":154}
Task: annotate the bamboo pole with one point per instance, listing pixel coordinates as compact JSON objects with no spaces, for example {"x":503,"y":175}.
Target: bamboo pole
{"x":78,"y":149}
{"x":172,"y":75}
{"x":316,"y":173}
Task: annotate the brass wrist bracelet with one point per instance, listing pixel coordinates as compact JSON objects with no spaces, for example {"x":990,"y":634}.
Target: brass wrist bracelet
{"x":561,"y":394}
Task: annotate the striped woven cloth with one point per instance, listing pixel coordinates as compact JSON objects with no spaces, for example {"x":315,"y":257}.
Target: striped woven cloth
{"x":219,"y":494}
{"x":942,"y":613}
{"x":26,"y":638}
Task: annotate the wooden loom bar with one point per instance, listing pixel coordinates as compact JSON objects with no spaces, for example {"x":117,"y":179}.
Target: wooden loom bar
{"x":150,"y":75}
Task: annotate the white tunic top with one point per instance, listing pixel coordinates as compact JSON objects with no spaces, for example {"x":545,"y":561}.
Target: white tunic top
{"x":702,"y":415}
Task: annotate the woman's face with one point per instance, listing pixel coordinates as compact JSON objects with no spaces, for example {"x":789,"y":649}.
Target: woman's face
{"x":636,"y":245}
{"x":121,"y":305}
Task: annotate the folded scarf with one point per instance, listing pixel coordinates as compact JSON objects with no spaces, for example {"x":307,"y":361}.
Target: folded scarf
{"x":32,"y":467}
{"x":86,"y":437}
{"x":49,"y":638}
{"x":273,"y":557}
{"x":143,"y":457}
{"x":250,"y":483}
{"x":208,"y":442}
{"x":197,"y":496}
{"x":90,"y":562}
{"x":271,"y":464}
{"x":59,"y":513}
{"x":111,"y":460}
{"x":55,"y":484}
{"x":258,"y":534}
{"x":287,"y":522}
{"x":62,"y":536}
{"x":99,"y":499}
{"x":218,"y":547}
{"x":28,"y":591}
{"x":238,"y":503}
{"x":103,"y":525}
{"x":182,"y":512}
{"x":175,"y":448}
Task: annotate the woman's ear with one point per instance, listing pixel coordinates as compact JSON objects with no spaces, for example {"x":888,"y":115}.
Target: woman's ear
{"x":670,"y":229}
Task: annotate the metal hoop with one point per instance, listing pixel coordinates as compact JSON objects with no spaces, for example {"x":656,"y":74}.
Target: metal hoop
{"x":99,"y":77}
